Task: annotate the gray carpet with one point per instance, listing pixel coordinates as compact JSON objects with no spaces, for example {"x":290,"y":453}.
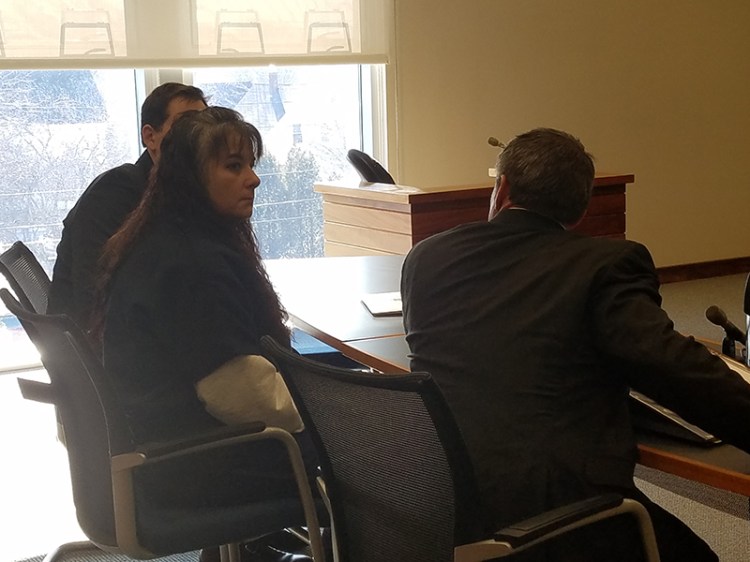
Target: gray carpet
{"x":686,"y":303}
{"x":718,"y":517}
{"x":95,"y":555}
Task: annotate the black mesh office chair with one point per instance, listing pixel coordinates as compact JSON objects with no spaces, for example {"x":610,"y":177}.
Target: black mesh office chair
{"x":369,"y":169}
{"x":26,"y":277}
{"x":397,"y":476}
{"x":30,"y":283}
{"x":111,"y":506}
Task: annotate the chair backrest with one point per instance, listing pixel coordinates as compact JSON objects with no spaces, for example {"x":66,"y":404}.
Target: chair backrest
{"x":746,"y":310}
{"x":396,"y":471}
{"x":368,"y":168}
{"x":95,"y":426}
{"x":26,"y":277}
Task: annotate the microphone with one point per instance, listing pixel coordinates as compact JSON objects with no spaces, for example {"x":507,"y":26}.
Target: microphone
{"x":717,"y":316}
{"x":492,"y":141}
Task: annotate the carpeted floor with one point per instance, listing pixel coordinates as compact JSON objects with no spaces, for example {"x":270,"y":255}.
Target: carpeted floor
{"x":99,"y":556}
{"x":686,"y":304}
{"x":718,"y":517}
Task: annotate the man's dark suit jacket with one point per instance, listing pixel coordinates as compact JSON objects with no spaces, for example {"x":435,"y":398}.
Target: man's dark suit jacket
{"x":535,"y":335}
{"x":98,"y":214}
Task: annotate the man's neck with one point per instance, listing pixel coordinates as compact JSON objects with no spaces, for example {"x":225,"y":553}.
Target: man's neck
{"x":524,"y":209}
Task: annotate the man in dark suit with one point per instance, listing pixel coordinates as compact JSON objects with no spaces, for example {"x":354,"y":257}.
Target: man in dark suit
{"x":535,"y":335}
{"x":103,"y":207}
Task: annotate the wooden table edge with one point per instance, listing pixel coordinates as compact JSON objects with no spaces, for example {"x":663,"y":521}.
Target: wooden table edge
{"x":697,"y":471}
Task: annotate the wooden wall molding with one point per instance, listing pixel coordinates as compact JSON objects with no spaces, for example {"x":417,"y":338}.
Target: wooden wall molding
{"x":702,"y":270}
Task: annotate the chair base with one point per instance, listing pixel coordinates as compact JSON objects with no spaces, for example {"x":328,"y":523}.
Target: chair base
{"x":59,"y":553}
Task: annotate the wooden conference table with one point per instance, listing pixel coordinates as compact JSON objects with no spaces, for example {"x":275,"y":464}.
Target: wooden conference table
{"x":323,"y":297}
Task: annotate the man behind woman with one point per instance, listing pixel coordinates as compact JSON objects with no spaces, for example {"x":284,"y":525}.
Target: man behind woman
{"x":183,"y":300}
{"x":108,"y":200}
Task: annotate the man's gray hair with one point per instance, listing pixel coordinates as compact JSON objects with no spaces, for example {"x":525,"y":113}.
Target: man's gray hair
{"x":549,"y":172}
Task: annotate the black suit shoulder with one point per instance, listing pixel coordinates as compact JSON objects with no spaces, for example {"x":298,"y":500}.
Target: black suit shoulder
{"x":520,"y":233}
{"x":113,"y":194}
{"x":98,"y":214}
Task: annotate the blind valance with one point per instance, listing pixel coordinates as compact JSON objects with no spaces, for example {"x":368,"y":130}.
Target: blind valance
{"x":192,"y":33}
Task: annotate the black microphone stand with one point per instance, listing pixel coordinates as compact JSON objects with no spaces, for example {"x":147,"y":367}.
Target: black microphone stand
{"x":728,"y":347}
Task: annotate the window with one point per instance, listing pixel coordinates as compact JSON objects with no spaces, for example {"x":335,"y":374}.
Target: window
{"x":70,"y":98}
{"x":190,"y":33}
{"x":58,"y":130}
{"x":309,"y":116}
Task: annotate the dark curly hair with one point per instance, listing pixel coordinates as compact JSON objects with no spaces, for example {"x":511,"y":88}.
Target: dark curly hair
{"x":177,"y":188}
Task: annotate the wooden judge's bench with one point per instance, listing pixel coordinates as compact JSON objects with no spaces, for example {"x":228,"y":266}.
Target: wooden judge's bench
{"x":382,"y":219}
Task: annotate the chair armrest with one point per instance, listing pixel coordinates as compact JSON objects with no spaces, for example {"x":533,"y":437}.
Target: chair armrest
{"x":529,"y":530}
{"x":226,"y":436}
{"x":555,"y":522}
{"x":37,"y":391}
{"x":125,"y":464}
{"x":210,"y":438}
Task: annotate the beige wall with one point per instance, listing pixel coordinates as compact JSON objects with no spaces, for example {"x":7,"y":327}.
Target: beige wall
{"x":657,"y":88}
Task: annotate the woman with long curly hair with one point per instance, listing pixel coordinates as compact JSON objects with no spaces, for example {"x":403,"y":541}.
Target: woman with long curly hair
{"x":183,"y":301}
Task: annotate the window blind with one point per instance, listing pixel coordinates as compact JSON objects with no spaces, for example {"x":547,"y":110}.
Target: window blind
{"x":192,"y":33}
